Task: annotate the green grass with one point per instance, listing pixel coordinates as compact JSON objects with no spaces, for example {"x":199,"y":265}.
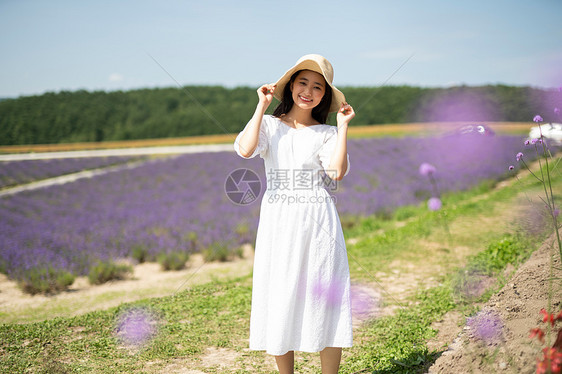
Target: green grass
{"x":217,"y":314}
{"x":397,"y":343}
{"x":214,"y":314}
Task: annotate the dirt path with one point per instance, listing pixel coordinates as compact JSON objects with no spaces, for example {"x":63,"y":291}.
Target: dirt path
{"x":137,"y":151}
{"x":505,"y":322}
{"x":68,"y":178}
{"x":147,"y":281}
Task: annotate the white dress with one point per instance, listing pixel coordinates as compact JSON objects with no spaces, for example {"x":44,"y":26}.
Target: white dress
{"x":301,"y":287}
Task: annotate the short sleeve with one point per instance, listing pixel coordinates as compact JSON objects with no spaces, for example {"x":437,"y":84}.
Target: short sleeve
{"x":263,"y":140}
{"x":325,"y":153}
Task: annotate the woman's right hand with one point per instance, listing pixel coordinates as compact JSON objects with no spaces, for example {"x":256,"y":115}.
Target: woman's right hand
{"x":265,"y":94}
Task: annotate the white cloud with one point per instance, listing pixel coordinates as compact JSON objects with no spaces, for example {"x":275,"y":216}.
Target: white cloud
{"x":115,"y":77}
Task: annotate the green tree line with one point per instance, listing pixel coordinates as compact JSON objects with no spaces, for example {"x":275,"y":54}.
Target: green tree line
{"x":83,"y":116}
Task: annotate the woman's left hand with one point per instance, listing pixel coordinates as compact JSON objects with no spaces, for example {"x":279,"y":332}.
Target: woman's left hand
{"x":345,"y":114}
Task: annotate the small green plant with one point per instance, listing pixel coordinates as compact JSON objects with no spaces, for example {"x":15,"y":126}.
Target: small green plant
{"x":217,"y":251}
{"x":349,"y":220}
{"x":192,"y":240}
{"x":104,"y":272}
{"x":46,"y":280}
{"x":508,"y":250}
{"x":475,"y":281}
{"x":173,"y":260}
{"x":140,"y":253}
{"x":242,"y":229}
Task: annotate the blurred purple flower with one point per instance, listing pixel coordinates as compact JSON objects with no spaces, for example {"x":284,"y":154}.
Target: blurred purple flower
{"x":511,"y":167}
{"x":329,"y":293}
{"x":534,"y":141}
{"x":136,"y":326}
{"x":537,"y":119}
{"x":527,"y":142}
{"x":472,"y":284}
{"x":486,"y":326}
{"x":556,"y":212}
{"x":364,"y":301}
{"x":557,"y":110}
{"x":427,"y":169}
{"x":434,"y":203}
{"x":519,"y":156}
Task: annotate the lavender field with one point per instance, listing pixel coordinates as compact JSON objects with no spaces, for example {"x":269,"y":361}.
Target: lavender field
{"x":180,"y":205}
{"x":18,"y":172}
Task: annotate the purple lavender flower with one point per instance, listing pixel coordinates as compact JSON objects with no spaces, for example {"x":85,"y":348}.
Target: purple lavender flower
{"x":427,"y":169}
{"x":136,"y":326}
{"x":537,"y":119}
{"x":330,"y":293}
{"x":364,"y":301}
{"x":534,"y":141}
{"x":527,"y":142}
{"x":556,"y":212}
{"x":434,"y":204}
{"x":486,"y":326}
{"x":519,"y":156}
{"x":156,"y":207}
{"x":511,"y":167}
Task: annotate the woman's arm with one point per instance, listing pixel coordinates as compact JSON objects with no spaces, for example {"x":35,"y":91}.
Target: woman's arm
{"x":249,"y":139}
{"x":338,"y":162}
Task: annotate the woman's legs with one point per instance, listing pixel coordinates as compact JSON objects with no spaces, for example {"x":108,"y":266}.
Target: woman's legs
{"x":330,"y":358}
{"x":286,"y":363}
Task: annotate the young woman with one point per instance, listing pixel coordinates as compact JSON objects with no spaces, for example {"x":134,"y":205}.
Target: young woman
{"x":301,"y":288}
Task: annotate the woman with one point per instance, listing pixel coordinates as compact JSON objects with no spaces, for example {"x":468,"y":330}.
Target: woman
{"x":301,"y":287}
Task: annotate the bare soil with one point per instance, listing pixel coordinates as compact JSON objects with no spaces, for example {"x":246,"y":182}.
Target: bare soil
{"x":148,"y":280}
{"x":509,"y":350}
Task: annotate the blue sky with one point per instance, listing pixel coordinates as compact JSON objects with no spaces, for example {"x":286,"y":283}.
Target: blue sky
{"x":106,"y":45}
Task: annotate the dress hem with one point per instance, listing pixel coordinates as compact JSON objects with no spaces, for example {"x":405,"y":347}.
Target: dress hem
{"x":303,"y":349}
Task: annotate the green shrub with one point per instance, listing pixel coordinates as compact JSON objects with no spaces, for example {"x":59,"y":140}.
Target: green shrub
{"x":239,"y":252}
{"x":104,"y":272}
{"x":140,"y":253}
{"x":192,"y":240}
{"x":510,"y":249}
{"x":483,"y":273}
{"x":46,"y":280}
{"x":217,"y":251}
{"x":349,"y":220}
{"x":173,"y":260}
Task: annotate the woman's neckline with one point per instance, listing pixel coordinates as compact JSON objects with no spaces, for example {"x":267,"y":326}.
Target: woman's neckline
{"x":294,"y":128}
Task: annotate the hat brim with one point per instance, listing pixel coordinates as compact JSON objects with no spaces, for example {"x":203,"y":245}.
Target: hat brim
{"x":338,"y":98}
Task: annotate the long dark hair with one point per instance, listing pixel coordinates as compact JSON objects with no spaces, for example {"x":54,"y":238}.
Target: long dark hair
{"x":319,"y":112}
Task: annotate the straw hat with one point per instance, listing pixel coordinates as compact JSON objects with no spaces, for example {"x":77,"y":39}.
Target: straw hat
{"x":318,"y":64}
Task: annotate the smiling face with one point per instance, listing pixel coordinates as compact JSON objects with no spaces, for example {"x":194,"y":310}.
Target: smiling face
{"x":308,"y":89}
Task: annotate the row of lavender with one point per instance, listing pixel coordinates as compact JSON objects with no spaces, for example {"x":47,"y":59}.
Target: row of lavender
{"x":180,"y":204}
{"x":18,"y":172}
